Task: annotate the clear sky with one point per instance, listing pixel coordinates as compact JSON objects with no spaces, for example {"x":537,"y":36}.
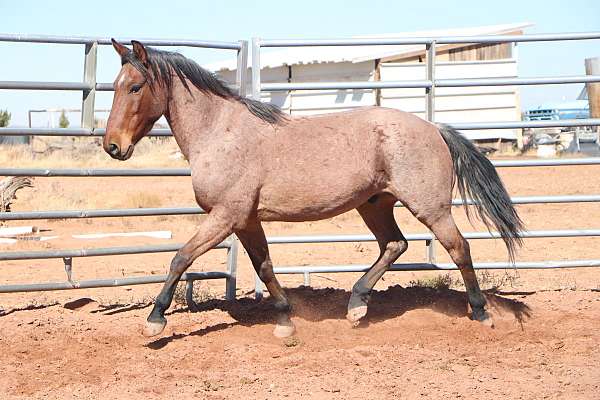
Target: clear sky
{"x":234,"y":20}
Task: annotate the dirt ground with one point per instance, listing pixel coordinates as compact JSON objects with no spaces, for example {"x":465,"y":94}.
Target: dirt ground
{"x":417,"y":341}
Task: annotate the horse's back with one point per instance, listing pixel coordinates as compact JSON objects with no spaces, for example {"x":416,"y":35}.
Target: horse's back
{"x":323,"y":165}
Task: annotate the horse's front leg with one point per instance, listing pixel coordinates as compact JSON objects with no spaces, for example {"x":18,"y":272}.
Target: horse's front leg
{"x":254,"y":241}
{"x":214,"y":228}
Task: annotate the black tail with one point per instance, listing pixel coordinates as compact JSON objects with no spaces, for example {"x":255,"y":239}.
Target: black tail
{"x":478,"y":180}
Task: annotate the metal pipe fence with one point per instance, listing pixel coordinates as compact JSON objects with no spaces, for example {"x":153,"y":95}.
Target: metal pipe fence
{"x":89,"y":87}
{"x":430,"y":84}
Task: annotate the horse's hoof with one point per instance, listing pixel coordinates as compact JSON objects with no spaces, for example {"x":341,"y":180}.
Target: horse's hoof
{"x":489,"y":322}
{"x":282,"y":331}
{"x":356,"y":314}
{"x":485,"y":319}
{"x":153,"y":328}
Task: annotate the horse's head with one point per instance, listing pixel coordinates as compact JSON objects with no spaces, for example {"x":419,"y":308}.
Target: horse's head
{"x":140,"y":99}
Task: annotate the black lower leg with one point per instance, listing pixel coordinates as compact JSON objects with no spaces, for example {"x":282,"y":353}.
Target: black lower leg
{"x":477,"y":302}
{"x":476,"y":298}
{"x":164,"y":299}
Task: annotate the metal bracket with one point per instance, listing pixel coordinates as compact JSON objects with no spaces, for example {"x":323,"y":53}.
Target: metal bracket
{"x":258,"y":288}
{"x":68,"y":268}
{"x":189,"y":296}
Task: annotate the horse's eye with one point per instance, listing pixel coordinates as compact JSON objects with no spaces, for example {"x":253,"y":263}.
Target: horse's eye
{"x":135,"y":88}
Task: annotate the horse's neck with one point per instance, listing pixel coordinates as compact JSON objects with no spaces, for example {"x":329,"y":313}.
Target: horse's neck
{"x":193,"y":117}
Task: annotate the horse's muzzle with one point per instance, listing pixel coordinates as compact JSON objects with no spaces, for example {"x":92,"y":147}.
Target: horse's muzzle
{"x":115,"y":152}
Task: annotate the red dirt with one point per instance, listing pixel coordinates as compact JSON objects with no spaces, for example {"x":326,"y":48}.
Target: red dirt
{"x":418,"y":342}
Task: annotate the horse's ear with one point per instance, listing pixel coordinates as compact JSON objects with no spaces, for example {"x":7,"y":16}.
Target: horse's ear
{"x":140,"y":52}
{"x":122,"y":50}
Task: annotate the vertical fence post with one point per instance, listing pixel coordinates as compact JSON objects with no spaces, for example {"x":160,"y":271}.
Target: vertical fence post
{"x":89,"y":77}
{"x":256,"y":69}
{"x":231,"y":281}
{"x":242,"y":68}
{"x":430,"y":114}
{"x":307,"y":279}
{"x":258,"y":287}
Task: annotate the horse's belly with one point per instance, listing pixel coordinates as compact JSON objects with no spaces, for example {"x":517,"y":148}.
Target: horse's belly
{"x":312,"y":200}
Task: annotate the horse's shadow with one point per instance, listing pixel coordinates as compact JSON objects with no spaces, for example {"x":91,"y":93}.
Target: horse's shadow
{"x":322,"y":304}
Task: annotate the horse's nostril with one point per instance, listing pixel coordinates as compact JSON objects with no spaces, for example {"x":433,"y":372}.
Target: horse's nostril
{"x":113,"y":149}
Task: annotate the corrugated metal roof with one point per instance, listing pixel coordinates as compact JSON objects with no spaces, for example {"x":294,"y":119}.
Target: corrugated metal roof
{"x":317,"y":55}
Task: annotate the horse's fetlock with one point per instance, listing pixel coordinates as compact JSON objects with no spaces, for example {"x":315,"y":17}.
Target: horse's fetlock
{"x":397,"y":247}
{"x":283,"y":306}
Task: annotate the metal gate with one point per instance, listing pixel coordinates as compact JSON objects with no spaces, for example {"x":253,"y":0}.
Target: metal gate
{"x":89,"y":86}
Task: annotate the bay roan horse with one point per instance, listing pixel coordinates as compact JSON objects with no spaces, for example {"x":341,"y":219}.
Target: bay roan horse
{"x":252,"y":163}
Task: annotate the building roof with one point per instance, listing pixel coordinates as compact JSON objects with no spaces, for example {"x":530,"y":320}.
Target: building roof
{"x":355,"y":54}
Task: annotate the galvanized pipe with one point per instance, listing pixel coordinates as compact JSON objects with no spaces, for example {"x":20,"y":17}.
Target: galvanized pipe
{"x":555,"y":80}
{"x":28,"y":85}
{"x":98,"y":132}
{"x":427,"y":236}
{"x":166,"y":132}
{"x":256,"y":84}
{"x":100,"y":172}
{"x":105,"y":213}
{"x":279,"y":87}
{"x":154,"y":211}
{"x":108,"y":172}
{"x":439,"y":266}
{"x":99,"y":283}
{"x":426,"y":40}
{"x":274,"y":87}
{"x":4,"y":37}
{"x":527,"y":124}
{"x":95,"y":252}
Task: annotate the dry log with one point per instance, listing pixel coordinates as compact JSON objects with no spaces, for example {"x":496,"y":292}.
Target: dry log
{"x":9,"y":187}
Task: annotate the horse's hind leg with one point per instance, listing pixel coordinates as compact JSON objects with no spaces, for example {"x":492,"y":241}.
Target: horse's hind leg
{"x":445,"y":230}
{"x":254,"y":241}
{"x":379,"y":217}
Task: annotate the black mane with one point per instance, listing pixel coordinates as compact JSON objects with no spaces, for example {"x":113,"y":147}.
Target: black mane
{"x":162,"y":62}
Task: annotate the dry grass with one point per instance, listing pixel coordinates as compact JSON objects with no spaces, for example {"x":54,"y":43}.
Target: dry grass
{"x":141,"y":200}
{"x":488,"y":280}
{"x":200,"y":293}
{"x":87,"y":153}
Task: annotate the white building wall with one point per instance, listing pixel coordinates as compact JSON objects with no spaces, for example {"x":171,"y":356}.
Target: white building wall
{"x":304,"y":102}
{"x":459,"y":104}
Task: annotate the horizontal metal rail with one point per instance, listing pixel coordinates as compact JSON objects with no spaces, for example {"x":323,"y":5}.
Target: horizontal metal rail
{"x":155,"y":211}
{"x":95,"y":252}
{"x":277,"y":87}
{"x":553,"y":80}
{"x":99,"y":172}
{"x":428,"y":236}
{"x":110,"y":282}
{"x":105,"y":87}
{"x":527,"y":124}
{"x":109,"y":172}
{"x":106,"y":213}
{"x":427,"y":40}
{"x":438,"y":266}
{"x":551,"y":162}
{"x":4,"y":37}
{"x":98,"y":132}
{"x":30,"y":85}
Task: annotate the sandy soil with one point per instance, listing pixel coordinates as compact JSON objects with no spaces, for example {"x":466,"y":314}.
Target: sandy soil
{"x":418,"y":341}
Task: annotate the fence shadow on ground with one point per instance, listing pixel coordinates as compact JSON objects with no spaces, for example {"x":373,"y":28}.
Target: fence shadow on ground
{"x":316,"y":305}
